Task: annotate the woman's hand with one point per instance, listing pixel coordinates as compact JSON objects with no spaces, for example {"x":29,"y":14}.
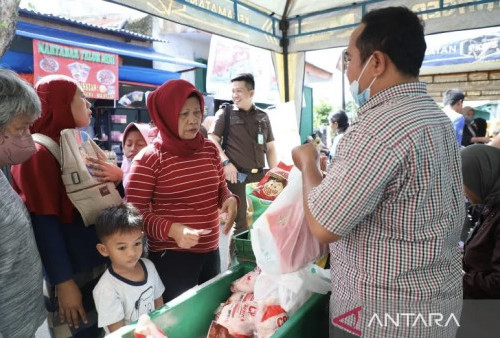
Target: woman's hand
{"x":229,"y":206}
{"x":70,"y":303}
{"x":186,"y":237}
{"x":104,"y":171}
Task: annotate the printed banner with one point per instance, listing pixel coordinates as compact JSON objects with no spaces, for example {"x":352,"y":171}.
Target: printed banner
{"x":228,"y":58}
{"x":97,"y":72}
{"x":472,"y":50}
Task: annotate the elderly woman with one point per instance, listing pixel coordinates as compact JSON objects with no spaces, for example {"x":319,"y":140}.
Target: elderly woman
{"x":67,"y":247}
{"x":21,"y":297}
{"x":178,"y":184}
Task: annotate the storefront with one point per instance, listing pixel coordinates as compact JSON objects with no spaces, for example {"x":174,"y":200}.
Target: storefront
{"x":114,"y":67}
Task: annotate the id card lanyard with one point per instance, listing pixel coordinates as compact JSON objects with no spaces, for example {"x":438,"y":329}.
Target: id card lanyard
{"x":260,"y":135}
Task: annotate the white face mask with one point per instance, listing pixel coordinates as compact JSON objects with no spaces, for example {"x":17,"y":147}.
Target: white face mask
{"x":361,"y":98}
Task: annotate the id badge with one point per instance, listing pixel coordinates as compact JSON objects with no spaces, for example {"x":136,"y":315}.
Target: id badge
{"x":260,"y":138}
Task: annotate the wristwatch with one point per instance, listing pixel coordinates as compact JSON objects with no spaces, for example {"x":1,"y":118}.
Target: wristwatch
{"x":225,"y":163}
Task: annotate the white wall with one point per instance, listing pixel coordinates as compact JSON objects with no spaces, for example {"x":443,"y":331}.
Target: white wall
{"x":182,"y":42}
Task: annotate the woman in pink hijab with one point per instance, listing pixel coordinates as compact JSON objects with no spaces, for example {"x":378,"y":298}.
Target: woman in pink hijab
{"x":178,"y":184}
{"x":135,"y":138}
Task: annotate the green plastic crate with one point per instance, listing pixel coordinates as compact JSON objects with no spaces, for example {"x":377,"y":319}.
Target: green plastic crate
{"x":243,"y":247}
{"x":190,"y":315}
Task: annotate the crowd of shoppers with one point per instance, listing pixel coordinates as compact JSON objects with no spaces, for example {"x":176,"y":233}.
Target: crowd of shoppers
{"x":392,"y":203}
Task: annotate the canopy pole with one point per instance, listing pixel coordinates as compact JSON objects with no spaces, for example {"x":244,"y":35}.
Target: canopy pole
{"x":343,"y":77}
{"x":284,"y":24}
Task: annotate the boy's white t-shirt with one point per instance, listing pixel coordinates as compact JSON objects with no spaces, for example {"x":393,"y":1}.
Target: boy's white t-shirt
{"x":117,"y":298}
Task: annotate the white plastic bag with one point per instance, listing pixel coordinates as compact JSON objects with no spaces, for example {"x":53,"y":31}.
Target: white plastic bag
{"x":292,"y":290}
{"x":281,"y":239}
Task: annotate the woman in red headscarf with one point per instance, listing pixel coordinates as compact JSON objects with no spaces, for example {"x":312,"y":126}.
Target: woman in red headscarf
{"x":67,"y":248}
{"x":178,"y":184}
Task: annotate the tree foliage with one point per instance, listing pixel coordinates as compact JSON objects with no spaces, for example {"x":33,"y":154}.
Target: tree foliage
{"x":320,"y":114}
{"x":8,"y":21}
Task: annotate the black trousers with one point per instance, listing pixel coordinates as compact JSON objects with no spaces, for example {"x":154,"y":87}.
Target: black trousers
{"x":239,"y":189}
{"x":180,"y":271}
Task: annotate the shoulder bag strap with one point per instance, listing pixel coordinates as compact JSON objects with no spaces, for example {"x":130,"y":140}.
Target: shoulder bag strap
{"x":48,"y":143}
{"x":227,"y":122}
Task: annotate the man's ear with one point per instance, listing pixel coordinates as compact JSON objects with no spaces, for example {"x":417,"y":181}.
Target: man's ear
{"x":102,"y":249}
{"x":380,"y":63}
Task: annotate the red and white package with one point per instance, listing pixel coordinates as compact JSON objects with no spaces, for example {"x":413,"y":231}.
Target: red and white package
{"x":247,"y":282}
{"x":147,"y":329}
{"x":218,"y":310}
{"x":273,"y":182}
{"x":240,"y":297}
{"x":271,"y":319}
{"x":238,"y":318}
{"x":218,"y":331}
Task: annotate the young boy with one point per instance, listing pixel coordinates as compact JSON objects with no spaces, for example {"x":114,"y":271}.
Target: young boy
{"x":130,"y":286}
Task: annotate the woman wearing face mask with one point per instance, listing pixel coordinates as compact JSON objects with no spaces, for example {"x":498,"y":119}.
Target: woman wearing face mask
{"x":68,"y":248}
{"x":21,"y":296}
{"x":471,"y":133}
{"x":178,"y":184}
{"x":339,"y":123}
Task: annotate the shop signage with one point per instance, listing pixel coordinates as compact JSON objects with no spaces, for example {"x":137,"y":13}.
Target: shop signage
{"x":464,"y":51}
{"x":97,"y":72}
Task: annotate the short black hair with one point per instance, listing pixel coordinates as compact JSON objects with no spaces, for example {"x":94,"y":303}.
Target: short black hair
{"x":122,"y":218}
{"x":341,"y":118}
{"x":452,"y":96}
{"x":397,"y":32}
{"x":247,"y":78}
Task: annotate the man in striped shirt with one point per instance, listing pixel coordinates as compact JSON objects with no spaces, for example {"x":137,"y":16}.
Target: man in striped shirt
{"x":391,"y":204}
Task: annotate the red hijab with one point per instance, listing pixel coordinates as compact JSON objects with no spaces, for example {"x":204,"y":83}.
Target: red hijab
{"x":164,"y":105}
{"x":38,"y":180}
{"x":56,"y":93}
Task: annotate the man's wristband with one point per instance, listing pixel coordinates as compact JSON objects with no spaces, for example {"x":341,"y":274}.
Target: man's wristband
{"x":225,"y":163}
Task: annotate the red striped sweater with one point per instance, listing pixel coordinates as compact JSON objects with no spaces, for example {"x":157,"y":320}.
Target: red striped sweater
{"x":171,"y":189}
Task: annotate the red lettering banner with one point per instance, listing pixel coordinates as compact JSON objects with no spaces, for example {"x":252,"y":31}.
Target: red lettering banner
{"x":97,"y":72}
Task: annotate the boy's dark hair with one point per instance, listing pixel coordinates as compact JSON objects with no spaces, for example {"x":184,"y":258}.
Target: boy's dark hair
{"x":452,"y":96}
{"x":247,"y":78}
{"x":119,"y":219}
{"x":397,"y":32}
